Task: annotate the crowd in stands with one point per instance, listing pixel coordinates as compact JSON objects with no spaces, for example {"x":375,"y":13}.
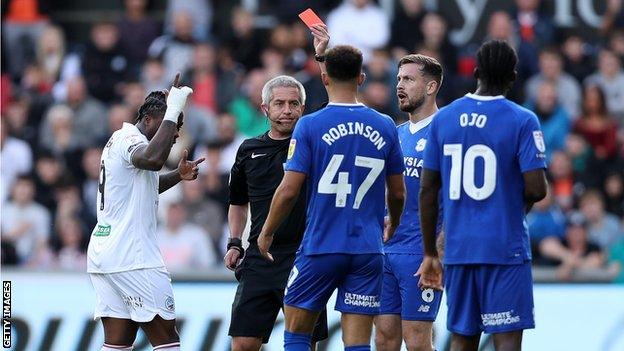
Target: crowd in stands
{"x":61,"y":101}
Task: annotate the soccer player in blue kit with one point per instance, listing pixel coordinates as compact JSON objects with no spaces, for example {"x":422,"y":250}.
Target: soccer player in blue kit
{"x":486,"y":153}
{"x":348,"y":154}
{"x":407,"y":312}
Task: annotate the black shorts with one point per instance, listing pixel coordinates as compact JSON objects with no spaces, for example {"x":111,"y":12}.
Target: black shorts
{"x":260,"y":296}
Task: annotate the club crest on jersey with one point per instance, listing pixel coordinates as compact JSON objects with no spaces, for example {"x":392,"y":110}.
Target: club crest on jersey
{"x":538,"y":137}
{"x":291,"y":148}
{"x":420,"y":145}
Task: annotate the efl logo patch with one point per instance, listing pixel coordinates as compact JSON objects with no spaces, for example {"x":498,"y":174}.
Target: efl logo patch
{"x":538,"y":137}
{"x":291,"y":148}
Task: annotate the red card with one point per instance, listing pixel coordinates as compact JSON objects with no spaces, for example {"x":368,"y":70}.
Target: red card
{"x":310,"y":18}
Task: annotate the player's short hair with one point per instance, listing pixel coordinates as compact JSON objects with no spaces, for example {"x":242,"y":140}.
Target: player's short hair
{"x":496,"y":62}
{"x":282,"y":81}
{"x":430,"y":66}
{"x":155,"y":103}
{"x":343,"y":62}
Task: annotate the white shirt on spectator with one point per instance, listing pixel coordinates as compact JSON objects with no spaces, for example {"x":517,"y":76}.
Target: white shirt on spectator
{"x":36,"y":217}
{"x":15,"y":159}
{"x":186,"y":248}
{"x":365,"y":28}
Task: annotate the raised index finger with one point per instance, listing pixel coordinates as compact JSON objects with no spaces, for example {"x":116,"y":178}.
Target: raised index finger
{"x":176,"y":80}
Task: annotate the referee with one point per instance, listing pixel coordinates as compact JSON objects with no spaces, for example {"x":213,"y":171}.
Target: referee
{"x":257,"y":171}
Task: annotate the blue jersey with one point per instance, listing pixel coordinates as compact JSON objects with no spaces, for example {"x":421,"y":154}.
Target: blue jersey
{"x":481,"y":146}
{"x":346,"y":151}
{"x":407,"y":237}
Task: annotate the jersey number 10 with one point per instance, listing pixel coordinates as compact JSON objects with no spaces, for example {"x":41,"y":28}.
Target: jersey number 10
{"x":463,"y":171}
{"x":343,"y":188}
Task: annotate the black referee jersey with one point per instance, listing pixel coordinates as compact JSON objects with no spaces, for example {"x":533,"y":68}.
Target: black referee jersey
{"x":256,"y":174}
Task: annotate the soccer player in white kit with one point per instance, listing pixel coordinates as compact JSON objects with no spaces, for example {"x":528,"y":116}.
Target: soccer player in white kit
{"x":132,"y":286}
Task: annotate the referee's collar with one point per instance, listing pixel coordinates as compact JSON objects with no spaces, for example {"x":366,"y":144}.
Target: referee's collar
{"x":359,"y":104}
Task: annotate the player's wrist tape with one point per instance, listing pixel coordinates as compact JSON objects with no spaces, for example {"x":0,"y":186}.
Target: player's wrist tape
{"x":175,"y":103}
{"x":236,"y":244}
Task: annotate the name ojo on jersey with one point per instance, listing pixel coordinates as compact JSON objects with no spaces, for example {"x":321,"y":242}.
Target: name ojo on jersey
{"x":354,"y":128}
{"x":412,"y":165}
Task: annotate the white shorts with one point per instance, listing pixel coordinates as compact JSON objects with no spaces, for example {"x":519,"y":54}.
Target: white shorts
{"x":139,"y":295}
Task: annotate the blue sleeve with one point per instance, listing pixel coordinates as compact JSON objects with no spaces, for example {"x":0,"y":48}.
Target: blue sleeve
{"x":432,"y":149}
{"x":531,"y":146}
{"x":299,"y":150}
{"x":395,"y":163}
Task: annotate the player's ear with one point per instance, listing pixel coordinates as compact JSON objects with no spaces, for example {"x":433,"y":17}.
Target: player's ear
{"x":361,"y":78}
{"x":325,"y":78}
{"x":265,"y":109}
{"x":514,"y":75}
{"x":475,"y":73}
{"x":432,"y":87}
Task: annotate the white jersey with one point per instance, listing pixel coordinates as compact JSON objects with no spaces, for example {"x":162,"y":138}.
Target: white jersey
{"x":125,"y":236}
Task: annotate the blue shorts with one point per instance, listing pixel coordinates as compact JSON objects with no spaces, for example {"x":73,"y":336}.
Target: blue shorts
{"x":358,"y":279}
{"x":400,"y":293}
{"x":489,"y":298}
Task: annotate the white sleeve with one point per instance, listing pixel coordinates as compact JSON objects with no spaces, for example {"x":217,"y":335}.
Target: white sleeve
{"x":128,"y":144}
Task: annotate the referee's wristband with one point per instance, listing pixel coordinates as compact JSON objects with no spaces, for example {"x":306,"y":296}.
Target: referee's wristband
{"x":236,"y":244}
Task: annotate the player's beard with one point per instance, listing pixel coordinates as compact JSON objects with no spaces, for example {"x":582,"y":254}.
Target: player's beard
{"x":412,"y":104}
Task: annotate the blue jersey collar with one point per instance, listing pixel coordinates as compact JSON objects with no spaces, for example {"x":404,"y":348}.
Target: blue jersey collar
{"x":348,"y":105}
{"x":483,"y":97}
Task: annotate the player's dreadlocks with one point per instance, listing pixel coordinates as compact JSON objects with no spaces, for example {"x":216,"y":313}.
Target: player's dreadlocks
{"x":496,"y":62}
{"x":155,"y":103}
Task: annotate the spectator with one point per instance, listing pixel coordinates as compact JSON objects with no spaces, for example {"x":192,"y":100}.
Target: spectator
{"x":577,"y":61}
{"x":554,"y":119}
{"x":56,"y":65}
{"x":614,"y":193}
{"x":200,"y":12}
{"x":136,"y":31}
{"x":57,"y":131}
{"x":574,"y":251}
{"x":360,"y":23}
{"x":22,"y":23}
{"x":71,"y":255}
{"x":89,"y":114}
{"x":153,"y":75}
{"x":616,"y":43}
{"x":49,"y":172}
{"x":223,"y":149}
{"x":250,"y":119}
{"x":562,"y":177}
{"x":500,"y":27}
{"x":408,"y":15}
{"x":104,"y":66}
{"x":551,"y":69}
{"x":533,"y":26}
{"x":214,"y":88}
{"x":603,"y":228}
{"x":610,"y":77}
{"x":595,"y":125}
{"x":25,"y":223}
{"x":546,"y":222}
{"x":15,"y":157}
{"x":613,"y":17}
{"x":376,"y":94}
{"x":184,"y":246}
{"x":203,"y":212}
{"x":118,"y":114}
{"x":176,"y":49}
{"x":380,"y":70}
{"x":69,"y":204}
{"x":134,"y":96}
{"x":245,"y":42}
{"x":583,"y":160}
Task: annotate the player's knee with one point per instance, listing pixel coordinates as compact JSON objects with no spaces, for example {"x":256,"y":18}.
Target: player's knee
{"x":246,"y":344}
{"x":387,"y":339}
{"x":418,"y":341}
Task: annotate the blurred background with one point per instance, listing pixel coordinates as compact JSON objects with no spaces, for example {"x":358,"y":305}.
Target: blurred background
{"x":74,"y":70}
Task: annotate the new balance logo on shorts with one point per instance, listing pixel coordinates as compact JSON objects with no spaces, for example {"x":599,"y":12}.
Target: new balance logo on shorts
{"x":424,"y":308}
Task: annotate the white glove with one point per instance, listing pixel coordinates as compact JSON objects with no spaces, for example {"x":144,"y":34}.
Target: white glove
{"x":175,"y":102}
